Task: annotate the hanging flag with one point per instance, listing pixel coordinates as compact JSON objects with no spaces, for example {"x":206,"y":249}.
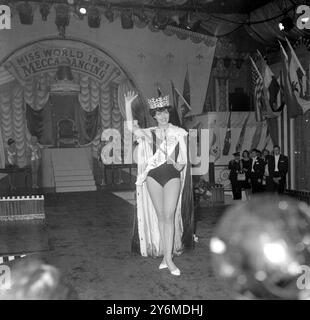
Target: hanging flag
{"x":215,"y":149}
{"x":257,"y":86}
{"x":186,"y":95}
{"x":281,"y":96}
{"x":257,"y":135}
{"x":227,"y":140}
{"x":293,"y":108}
{"x":242,"y":134}
{"x":207,"y":105}
{"x":271,"y":90}
{"x":2,"y":154}
{"x":268,"y":138}
{"x":184,"y":107}
{"x":298,"y":81}
{"x":176,"y":119}
{"x":180,"y":104}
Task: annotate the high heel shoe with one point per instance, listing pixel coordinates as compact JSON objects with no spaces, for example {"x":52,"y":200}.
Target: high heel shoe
{"x":163,"y":265}
{"x":175,"y":272}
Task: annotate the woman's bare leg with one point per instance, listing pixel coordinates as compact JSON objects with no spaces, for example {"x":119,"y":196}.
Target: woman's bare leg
{"x":156,"y":192}
{"x":37,"y":170}
{"x":171,"y":192}
{"x":34,"y":173}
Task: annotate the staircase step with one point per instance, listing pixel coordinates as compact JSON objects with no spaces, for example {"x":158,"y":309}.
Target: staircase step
{"x":73,"y":172}
{"x":71,"y":166}
{"x":73,"y":178}
{"x":76,"y":189}
{"x":75,"y":183}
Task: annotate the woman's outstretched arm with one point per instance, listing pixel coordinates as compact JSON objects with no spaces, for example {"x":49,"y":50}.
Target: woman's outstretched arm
{"x":130,"y":96}
{"x":132,"y":125}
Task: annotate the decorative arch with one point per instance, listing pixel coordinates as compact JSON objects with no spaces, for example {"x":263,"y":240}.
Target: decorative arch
{"x":32,"y":68}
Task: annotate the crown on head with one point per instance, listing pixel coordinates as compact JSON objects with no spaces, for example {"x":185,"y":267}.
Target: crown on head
{"x":159,"y":102}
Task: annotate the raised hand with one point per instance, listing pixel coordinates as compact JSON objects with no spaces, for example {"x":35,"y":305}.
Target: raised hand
{"x":130,"y":96}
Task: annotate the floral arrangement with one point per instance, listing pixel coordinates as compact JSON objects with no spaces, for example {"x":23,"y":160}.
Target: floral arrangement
{"x":202,"y":189}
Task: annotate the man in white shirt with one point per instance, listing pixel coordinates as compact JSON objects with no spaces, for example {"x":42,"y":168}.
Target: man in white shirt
{"x":257,"y":171}
{"x":278,"y":169}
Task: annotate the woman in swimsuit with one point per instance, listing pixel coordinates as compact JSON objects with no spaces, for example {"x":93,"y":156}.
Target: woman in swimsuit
{"x":162,"y":159}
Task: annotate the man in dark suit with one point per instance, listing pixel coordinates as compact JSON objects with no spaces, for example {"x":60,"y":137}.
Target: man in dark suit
{"x":257,"y":171}
{"x":268,"y":181}
{"x":278,"y":169}
{"x":235,"y":167}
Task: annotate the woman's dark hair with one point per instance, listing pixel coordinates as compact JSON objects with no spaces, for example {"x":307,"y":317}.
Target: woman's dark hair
{"x":247,"y":152}
{"x":153,"y":111}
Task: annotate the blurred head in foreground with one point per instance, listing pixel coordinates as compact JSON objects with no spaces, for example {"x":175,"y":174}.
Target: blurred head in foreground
{"x":261,"y":249}
{"x":34,"y":280}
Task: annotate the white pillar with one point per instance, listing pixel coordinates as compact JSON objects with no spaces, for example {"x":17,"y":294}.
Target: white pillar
{"x":292,"y":154}
{"x":285,"y":133}
{"x":217,"y":95}
{"x":279,"y":130}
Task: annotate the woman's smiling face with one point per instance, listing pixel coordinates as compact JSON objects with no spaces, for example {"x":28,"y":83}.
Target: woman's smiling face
{"x":162,"y":117}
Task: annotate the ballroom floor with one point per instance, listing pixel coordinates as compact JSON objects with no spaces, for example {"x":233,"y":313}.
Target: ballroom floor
{"x":89,"y":241}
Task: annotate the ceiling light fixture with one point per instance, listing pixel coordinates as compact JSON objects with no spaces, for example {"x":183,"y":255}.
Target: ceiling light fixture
{"x":109,"y":14}
{"x":25,"y":13}
{"x":160,"y":21}
{"x":44,"y":10}
{"x":83,"y":10}
{"x":126,"y":19}
{"x":188,"y":23}
{"x":94,"y":17}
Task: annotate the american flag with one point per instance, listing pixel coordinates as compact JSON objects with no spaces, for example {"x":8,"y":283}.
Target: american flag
{"x":227,"y":140}
{"x":258,"y":86}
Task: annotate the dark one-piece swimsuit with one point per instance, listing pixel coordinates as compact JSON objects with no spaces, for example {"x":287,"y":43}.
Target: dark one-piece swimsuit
{"x":166,"y":171}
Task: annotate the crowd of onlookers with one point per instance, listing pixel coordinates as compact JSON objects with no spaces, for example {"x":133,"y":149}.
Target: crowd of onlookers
{"x":258,"y":171}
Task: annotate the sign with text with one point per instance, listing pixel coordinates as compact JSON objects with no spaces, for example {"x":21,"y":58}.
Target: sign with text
{"x":303,"y":21}
{"x":36,"y":59}
{"x":5,"y":17}
{"x":198,"y":149}
{"x":5,"y":277}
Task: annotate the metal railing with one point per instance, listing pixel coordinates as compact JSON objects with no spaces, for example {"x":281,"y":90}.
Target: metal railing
{"x":299,"y":195}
